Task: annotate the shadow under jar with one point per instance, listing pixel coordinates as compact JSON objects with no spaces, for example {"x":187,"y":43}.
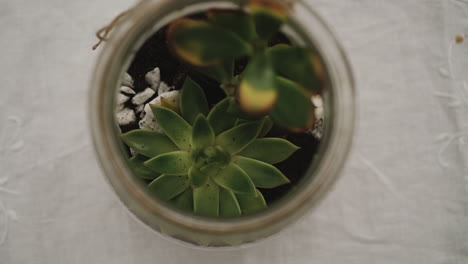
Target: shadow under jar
{"x":304,"y":28}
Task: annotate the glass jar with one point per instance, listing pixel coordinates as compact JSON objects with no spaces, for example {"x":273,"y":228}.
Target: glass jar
{"x":305,"y":28}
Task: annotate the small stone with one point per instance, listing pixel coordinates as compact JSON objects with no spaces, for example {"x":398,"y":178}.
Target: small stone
{"x":127,"y":80}
{"x":164,"y":88}
{"x":139,"y":109}
{"x":317,"y":100}
{"x":127,"y":90}
{"x":318,"y":113}
{"x":317,"y":131}
{"x":133,"y":153}
{"x":148,"y":121}
{"x":125,"y":117}
{"x":121,"y":100}
{"x":154,"y":78}
{"x":144,"y":96}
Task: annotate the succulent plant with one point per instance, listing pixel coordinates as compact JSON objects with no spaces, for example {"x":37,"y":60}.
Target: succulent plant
{"x":277,"y":81}
{"x":208,"y":162}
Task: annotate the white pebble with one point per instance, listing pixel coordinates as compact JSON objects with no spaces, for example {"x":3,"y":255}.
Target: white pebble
{"x":164,"y":88}
{"x":125,"y":117}
{"x":317,"y":100}
{"x":154,"y":78}
{"x":139,"y":109}
{"x":127,"y":80}
{"x":317,"y":130}
{"x":148,"y":121}
{"x":318,"y":113}
{"x":144,"y":96}
{"x":127,"y":90}
{"x":121,"y":100}
{"x":133,"y":153}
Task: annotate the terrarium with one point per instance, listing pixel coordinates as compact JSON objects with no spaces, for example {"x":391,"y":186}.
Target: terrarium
{"x":219,"y":123}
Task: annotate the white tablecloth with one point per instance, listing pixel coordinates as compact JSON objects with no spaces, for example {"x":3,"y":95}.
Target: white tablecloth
{"x":403,"y":197}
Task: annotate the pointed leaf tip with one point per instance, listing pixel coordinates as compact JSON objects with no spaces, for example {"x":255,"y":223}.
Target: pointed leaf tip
{"x":173,"y":163}
{"x":220,"y":119}
{"x":203,"y":134}
{"x":148,"y":143}
{"x":175,"y":127}
{"x":167,"y":187}
{"x":192,"y":101}
{"x":269,"y":150}
{"x":239,"y":137}
{"x":235,"y":179}
{"x":138,"y":167}
{"x":262,"y":174}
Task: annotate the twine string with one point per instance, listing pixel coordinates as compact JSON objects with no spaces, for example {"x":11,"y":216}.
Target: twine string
{"x":103,"y":33}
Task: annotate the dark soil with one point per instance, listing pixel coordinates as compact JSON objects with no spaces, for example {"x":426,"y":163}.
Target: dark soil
{"x":155,"y":53}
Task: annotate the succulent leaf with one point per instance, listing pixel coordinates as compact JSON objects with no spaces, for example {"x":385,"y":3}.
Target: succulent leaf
{"x":138,"y":167}
{"x":175,"y":127}
{"x":203,"y":44}
{"x":262,"y":174}
{"x":148,"y":143}
{"x":192,"y":101}
{"x":206,"y":199}
{"x":269,"y":150}
{"x":234,"y":179}
{"x":233,"y":20}
{"x":257,"y":92}
{"x":203,"y":134}
{"x":294,"y":109}
{"x":228,"y":205}
{"x":298,"y":64}
{"x":184,"y":201}
{"x":239,"y":137}
{"x":267,"y":126}
{"x":173,"y":163}
{"x":196,"y":177}
{"x":167,"y":187}
{"x":219,"y":119}
{"x":250,"y":204}
{"x":268,"y":15}
{"x":169,"y":104}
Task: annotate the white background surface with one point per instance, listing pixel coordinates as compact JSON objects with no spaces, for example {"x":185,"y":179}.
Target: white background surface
{"x":403,"y":197}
